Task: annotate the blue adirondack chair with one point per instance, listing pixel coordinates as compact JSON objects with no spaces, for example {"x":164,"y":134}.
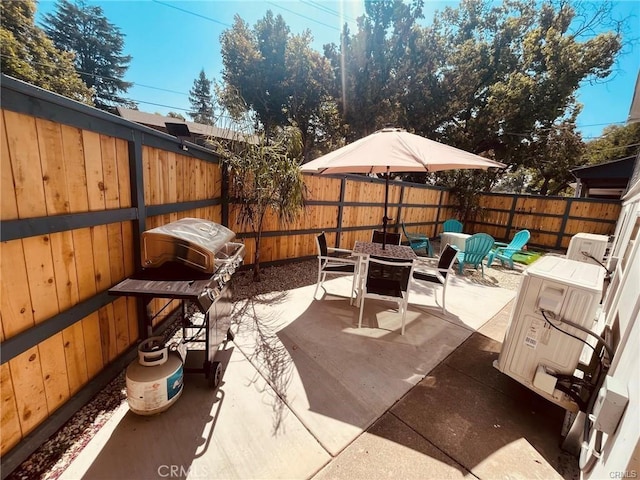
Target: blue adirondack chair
{"x":476,"y":247}
{"x":418,"y":241}
{"x":452,"y":225}
{"x":505,"y":251}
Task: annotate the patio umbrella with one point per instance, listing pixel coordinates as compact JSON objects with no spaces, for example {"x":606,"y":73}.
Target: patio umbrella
{"x":396,"y":150}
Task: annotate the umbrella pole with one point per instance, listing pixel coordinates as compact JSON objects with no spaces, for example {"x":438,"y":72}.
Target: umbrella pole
{"x":385,"y":219}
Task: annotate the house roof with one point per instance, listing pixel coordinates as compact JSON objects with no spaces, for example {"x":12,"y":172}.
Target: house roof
{"x":621,"y":168}
{"x":160,"y":121}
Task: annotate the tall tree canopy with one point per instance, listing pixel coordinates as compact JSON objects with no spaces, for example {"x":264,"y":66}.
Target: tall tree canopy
{"x":98,"y":46}
{"x":29,"y":55}
{"x":491,"y":78}
{"x":278,"y":76}
{"x":200,"y":100}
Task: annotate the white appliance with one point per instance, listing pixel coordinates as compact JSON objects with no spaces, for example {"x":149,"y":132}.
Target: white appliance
{"x":594,"y":245}
{"x":533,"y":351}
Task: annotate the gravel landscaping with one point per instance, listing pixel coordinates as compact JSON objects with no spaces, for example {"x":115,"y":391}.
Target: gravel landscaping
{"x":51,"y":459}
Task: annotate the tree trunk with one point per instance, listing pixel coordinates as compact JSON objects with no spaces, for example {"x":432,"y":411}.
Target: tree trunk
{"x":256,"y":260}
{"x":544,"y":188}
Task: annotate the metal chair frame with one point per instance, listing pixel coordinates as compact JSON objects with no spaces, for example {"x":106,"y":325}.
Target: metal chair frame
{"x":418,"y":241}
{"x":330,"y":264}
{"x":425,"y":272}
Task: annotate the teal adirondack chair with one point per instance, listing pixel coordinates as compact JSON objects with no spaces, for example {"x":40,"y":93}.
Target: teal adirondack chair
{"x":505,"y":251}
{"x":452,"y":225}
{"x":476,"y":247}
{"x":418,"y":241}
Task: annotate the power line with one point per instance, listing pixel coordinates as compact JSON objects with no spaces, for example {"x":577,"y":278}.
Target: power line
{"x":193,"y":13}
{"x":328,"y":10}
{"x":303,"y":16}
{"x":187,"y":94}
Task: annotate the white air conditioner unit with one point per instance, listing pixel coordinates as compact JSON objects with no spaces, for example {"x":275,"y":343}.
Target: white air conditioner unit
{"x":533,"y":351}
{"x":588,"y":247}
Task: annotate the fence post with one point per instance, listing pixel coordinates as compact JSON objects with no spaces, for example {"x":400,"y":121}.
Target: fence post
{"x":224,"y":193}
{"x":563,"y":225}
{"x":343,"y":187}
{"x":136,"y":177}
{"x":511,"y":215}
{"x":435,"y":229}
{"x":399,"y":212}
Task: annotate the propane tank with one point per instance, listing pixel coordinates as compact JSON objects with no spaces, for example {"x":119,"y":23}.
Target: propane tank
{"x":155,"y":379}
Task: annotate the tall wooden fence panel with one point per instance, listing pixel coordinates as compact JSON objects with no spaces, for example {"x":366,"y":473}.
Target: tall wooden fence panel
{"x":79,"y":186}
{"x":50,"y":169}
{"x":552,"y":221}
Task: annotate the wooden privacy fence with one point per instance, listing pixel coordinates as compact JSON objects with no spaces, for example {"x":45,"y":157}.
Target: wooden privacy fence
{"x":79,"y":186}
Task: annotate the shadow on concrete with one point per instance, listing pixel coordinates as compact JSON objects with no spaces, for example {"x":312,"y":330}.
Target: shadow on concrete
{"x":159,"y":445}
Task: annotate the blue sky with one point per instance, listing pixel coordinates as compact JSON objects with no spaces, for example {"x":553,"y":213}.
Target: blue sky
{"x":171,"y":41}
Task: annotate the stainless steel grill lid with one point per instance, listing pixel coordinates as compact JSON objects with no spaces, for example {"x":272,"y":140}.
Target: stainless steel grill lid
{"x":194,"y":242}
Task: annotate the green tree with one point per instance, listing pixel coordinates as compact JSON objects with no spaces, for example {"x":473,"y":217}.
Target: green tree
{"x":254,"y":69}
{"x":369,"y":62}
{"x":97,"y":44}
{"x":615,"y":143}
{"x":551,"y":157}
{"x":264,"y":178}
{"x":200,"y":100}
{"x":513,"y":69}
{"x":279,"y":77}
{"x":487,"y":77}
{"x":29,"y":55}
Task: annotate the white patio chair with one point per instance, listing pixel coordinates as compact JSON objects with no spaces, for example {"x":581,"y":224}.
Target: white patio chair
{"x":385,"y":280}
{"x":441,"y":274}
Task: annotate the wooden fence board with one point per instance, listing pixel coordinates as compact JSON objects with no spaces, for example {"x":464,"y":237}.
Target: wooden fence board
{"x":8,"y":204}
{"x":22,"y":137}
{"x":181,"y":164}
{"x":107,"y":333}
{"x":322,"y":188}
{"x":93,"y":170}
{"x":17,"y":312}
{"x":110,"y":172}
{"x":75,"y":357}
{"x":127,"y":243}
{"x":85,"y":270}
{"x":31,"y":400}
{"x":132,"y":318}
{"x":116,"y":255}
{"x":54,"y":371}
{"x":146,"y":174}
{"x":100,"y":244}
{"x":93,"y":344}
{"x":41,"y":277}
{"x":64,"y":267}
{"x":73,"y":150}
{"x":10,"y":433}
{"x":120,"y":314}
{"x":54,"y":175}
{"x":162,"y":181}
{"x":124,"y":180}
{"x":172,"y":183}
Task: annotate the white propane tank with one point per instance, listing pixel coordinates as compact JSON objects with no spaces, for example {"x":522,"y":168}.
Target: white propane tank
{"x":154,"y":380}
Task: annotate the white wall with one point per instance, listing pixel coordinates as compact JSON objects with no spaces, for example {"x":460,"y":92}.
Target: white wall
{"x":620,"y":451}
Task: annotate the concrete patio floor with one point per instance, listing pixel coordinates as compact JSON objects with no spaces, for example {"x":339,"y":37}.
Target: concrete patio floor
{"x":306,"y":394}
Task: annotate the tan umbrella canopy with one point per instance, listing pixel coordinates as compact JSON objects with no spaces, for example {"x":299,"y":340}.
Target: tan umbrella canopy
{"x":396,"y":150}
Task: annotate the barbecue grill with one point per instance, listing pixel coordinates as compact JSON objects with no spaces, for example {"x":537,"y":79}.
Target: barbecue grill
{"x":193,"y":260}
